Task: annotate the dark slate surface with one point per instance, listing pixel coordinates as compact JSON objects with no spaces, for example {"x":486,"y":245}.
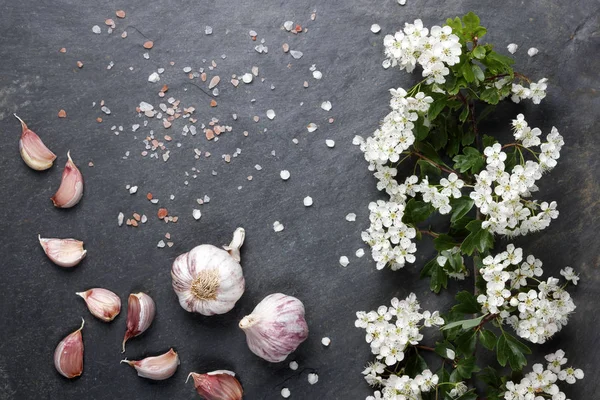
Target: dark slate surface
{"x":37,"y":300}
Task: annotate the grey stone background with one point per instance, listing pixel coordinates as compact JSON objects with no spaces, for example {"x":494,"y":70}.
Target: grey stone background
{"x":37,"y":302}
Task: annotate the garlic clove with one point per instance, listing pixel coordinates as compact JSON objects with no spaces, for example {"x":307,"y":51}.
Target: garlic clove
{"x":102,"y":303}
{"x":157,"y":368}
{"x":33,"y":151}
{"x":140,"y":314}
{"x":209,"y":280}
{"x":276,"y":327}
{"x":64,"y":252}
{"x":217,"y":385}
{"x":71,"y":186}
{"x":68,"y":356}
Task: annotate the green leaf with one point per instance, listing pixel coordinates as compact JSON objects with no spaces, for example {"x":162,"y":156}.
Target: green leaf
{"x":488,"y":339}
{"x":466,"y":342}
{"x":471,"y":20}
{"x":479,"y":53}
{"x":464,"y":324}
{"x":455,"y":24}
{"x":488,"y":140}
{"x":471,"y":159}
{"x":478,"y":72}
{"x":421,"y":131}
{"x":460,"y":207}
{"x":439,"y":278}
{"x":439,"y":138}
{"x":490,"y":95}
{"x":441,"y":349}
{"x":428,"y":169}
{"x":455,"y":261}
{"x":468,"y":137}
{"x":511,"y":160}
{"x":444,"y":242}
{"x":509,"y":349}
{"x":470,"y":395}
{"x":467,"y":71}
{"x":436,"y":107}
{"x":417,"y":211}
{"x":466,"y":367}
{"x":467,"y":303}
{"x":428,"y":151}
{"x":415,"y":364}
{"x":479,"y":238}
{"x":464,"y":114}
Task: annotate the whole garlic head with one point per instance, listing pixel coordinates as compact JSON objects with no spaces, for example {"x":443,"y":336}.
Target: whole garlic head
{"x":276,"y":327}
{"x":209,"y":280}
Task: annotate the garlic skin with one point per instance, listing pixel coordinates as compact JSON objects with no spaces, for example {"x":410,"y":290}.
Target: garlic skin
{"x":33,"y":151}
{"x":140,"y":314}
{"x":217,"y":385}
{"x":66,"y":253}
{"x":276,"y":327}
{"x":68,"y":356}
{"x":71,"y":186}
{"x":102,"y":303}
{"x":209,"y":280}
{"x":157,"y":368}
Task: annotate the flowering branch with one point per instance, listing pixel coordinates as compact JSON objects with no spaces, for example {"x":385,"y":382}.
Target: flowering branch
{"x":485,"y":189}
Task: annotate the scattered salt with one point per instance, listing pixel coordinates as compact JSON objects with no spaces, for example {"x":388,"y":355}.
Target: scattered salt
{"x":96,"y":29}
{"x":285,"y":174}
{"x":360,"y":253}
{"x":330,"y":143}
{"x":285,"y":393}
{"x":187,"y":69}
{"x":277,"y":226}
{"x":313,"y":378}
{"x":351,"y":217}
{"x":293,"y":365}
{"x":317,"y":75}
{"x":512,"y":48}
{"x":325,"y":341}
{"x":326,"y":105}
{"x":160,"y":244}
{"x":154,"y":77}
{"x":270,"y":114}
{"x":247,"y":77}
{"x":375,"y":28}
{"x":311,"y":127}
{"x":344,"y":261}
{"x":120,"y":218}
{"x":133,"y":189}
{"x":308,"y":201}
{"x":257,"y":167}
{"x":296,"y":54}
{"x":288,"y":25}
{"x":196,"y":214}
{"x":208,"y":30}
{"x":532,"y":51}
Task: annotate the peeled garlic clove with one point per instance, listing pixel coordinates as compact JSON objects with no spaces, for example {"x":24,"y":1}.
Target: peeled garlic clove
{"x":102,"y":303}
{"x":33,"y":151}
{"x":276,"y":327}
{"x":140,"y":314}
{"x":209,"y":280}
{"x":64,"y":252}
{"x":217,"y":385}
{"x":156,"y":368}
{"x":68,"y":356}
{"x":71,"y":186}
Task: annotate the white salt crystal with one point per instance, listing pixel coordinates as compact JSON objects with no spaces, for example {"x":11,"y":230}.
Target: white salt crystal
{"x":313,"y":378}
{"x":120,"y":218}
{"x":311,"y":127}
{"x":277,"y":226}
{"x":160,"y":244}
{"x":196,"y":214}
{"x":154,"y":77}
{"x":375,"y":28}
{"x":247,"y":77}
{"x":257,"y":167}
{"x":296,"y":54}
{"x":351,"y":217}
{"x":285,"y":393}
{"x":330,"y":143}
{"x":512,"y":48}
{"x":293,"y":365}
{"x":344,"y":261}
{"x":360,"y":253}
{"x":187,"y":69}
{"x":285,"y":174}
{"x":96,"y":29}
{"x":288,"y":25}
{"x":308,"y":201}
{"x":270,"y":114}
{"x":325,"y":341}
{"x":326,"y":105}
{"x":133,"y":189}
{"x":208,"y":30}
{"x":532,"y":51}
{"x":317,"y":75}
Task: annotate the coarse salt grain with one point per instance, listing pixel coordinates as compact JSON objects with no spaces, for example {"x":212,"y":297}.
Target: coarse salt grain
{"x":120,"y":218}
{"x":330,"y":143}
{"x":257,"y":167}
{"x":277,"y":226}
{"x":360,"y":253}
{"x":308,"y":201}
{"x":96,"y":29}
{"x":270,"y":114}
{"x":285,"y":393}
{"x":351,"y":217}
{"x":154,"y":77}
{"x":313,"y":378}
{"x":293,"y":365}
{"x":296,"y":54}
{"x":532,"y":51}
{"x":375,"y":28}
{"x":317,"y":75}
{"x":325,"y":341}
{"x":344,"y":261}
{"x":247,"y":77}
{"x":196,"y":214}
{"x":326,"y":105}
{"x":512,"y":48}
{"x":160,"y":244}
{"x":133,"y":189}
{"x":311,"y":127}
{"x":285,"y":174}
{"x":208,"y":30}
{"x":288,"y":25}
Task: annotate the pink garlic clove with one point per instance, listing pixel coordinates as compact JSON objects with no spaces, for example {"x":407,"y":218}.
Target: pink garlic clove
{"x":217,"y":385}
{"x":140,"y":314}
{"x":68,"y":356}
{"x":63,"y":252}
{"x":33,"y":151}
{"x":157,"y":368}
{"x":71,"y":186}
{"x":276,"y":327}
{"x":102,"y":303}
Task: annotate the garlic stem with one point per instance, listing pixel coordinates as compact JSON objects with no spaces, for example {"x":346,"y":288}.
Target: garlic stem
{"x":236,"y":243}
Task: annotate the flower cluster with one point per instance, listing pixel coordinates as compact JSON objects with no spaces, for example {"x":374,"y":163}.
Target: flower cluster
{"x":433,"y":50}
{"x":540,"y":383}
{"x":501,"y":196}
{"x":390,"y":330}
{"x":535,"y":315}
{"x":536,"y":90}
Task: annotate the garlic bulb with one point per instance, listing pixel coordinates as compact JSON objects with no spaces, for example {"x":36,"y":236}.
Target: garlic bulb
{"x":33,"y":151}
{"x":140,"y":314}
{"x":102,"y":303}
{"x":209,"y":280}
{"x":63,"y":252}
{"x":217,"y":385}
{"x":68,"y":356}
{"x":71,"y":186}
{"x":156,"y":368}
{"x":276,"y":327}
